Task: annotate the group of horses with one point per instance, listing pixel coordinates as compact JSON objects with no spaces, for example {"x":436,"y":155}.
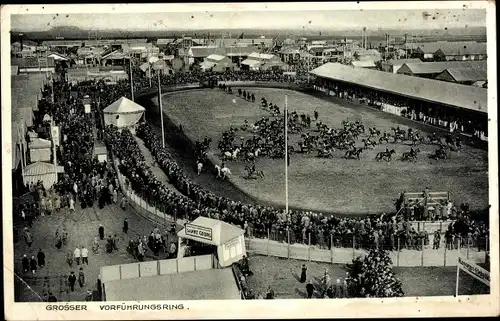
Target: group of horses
{"x":267,"y":138}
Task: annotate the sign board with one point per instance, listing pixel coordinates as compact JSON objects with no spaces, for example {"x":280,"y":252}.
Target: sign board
{"x":474,"y":270}
{"x":87,"y":108}
{"x":198,"y":231}
{"x":54,"y":131}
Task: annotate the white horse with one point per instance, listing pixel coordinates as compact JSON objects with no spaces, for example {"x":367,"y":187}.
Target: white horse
{"x":226,"y":172}
{"x":200,"y":167}
{"x":232,"y":155}
{"x":255,"y":154}
{"x":255,"y":128}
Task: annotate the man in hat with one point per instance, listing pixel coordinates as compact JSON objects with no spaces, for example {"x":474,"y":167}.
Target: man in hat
{"x":303,"y":274}
{"x":26,"y":263}
{"x":81,"y":278}
{"x":88,"y":296}
{"x":72,"y":281}
{"x":101,"y":232}
{"x":33,"y":265}
{"x":77,"y":255}
{"x":41,"y":258}
{"x":309,"y":289}
{"x":125,"y":226}
{"x":85,"y":255}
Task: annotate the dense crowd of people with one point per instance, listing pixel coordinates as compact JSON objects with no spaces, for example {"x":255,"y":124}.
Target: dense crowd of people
{"x":372,"y":277}
{"x":369,"y":232}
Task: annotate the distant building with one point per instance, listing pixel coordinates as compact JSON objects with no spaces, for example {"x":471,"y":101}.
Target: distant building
{"x":467,"y":51}
{"x":289,"y":54}
{"x":464,"y":76}
{"x":433,"y":69}
{"x":393,"y":65}
{"x":140,"y":50}
{"x":217,"y":63}
{"x":198,"y":53}
{"x":364,"y":64}
{"x":256,"y":61}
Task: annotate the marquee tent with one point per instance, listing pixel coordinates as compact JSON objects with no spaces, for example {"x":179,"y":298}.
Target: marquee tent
{"x":41,"y":171}
{"x":123,"y":113}
{"x":228,"y":239}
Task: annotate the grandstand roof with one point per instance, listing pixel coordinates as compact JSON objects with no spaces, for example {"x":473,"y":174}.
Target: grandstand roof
{"x":216,"y":57}
{"x":461,"y":75}
{"x":440,"y":92}
{"x":440,"y":66}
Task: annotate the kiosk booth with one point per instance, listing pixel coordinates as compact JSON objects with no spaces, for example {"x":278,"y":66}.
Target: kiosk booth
{"x":209,"y":236}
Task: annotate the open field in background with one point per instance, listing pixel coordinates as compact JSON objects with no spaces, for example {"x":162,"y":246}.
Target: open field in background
{"x":283,"y":275}
{"x":334,"y":185}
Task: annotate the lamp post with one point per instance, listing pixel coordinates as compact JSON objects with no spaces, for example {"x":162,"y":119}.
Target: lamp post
{"x":158,"y":66}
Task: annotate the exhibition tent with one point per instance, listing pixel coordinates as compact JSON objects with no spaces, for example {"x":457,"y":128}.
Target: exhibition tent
{"x":123,"y":113}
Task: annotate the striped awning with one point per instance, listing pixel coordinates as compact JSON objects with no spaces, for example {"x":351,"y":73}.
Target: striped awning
{"x":41,"y":171}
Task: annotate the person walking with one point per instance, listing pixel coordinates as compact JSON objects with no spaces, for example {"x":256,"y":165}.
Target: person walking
{"x":69,"y":258}
{"x":115,"y":242}
{"x":41,"y":258}
{"x":101,"y":232}
{"x":71,"y":204}
{"x":81,"y":278}
{"x":26,"y":263}
{"x":77,"y":254}
{"x":309,"y":289}
{"x":85,"y":255}
{"x":72,"y":281}
{"x":95,"y":246}
{"x":437,"y":240}
{"x":125,"y":226}
{"x":303,"y":274}
{"x":33,"y":265}
{"x":28,"y":238}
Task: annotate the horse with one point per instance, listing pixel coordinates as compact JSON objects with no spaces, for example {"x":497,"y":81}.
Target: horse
{"x":226,"y":172}
{"x":374,"y":132}
{"x":326,"y":153}
{"x":353,"y":153}
{"x":411,"y":155}
{"x":386,"y":154}
{"x":417,"y":138}
{"x":440,"y":153}
{"x":434,"y":139}
{"x":368,"y":143}
{"x":251,"y":171}
{"x":252,"y":156}
{"x":384,"y":138}
{"x":231,"y":155}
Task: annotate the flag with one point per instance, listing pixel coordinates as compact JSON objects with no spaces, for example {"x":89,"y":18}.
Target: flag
{"x":241,"y":36}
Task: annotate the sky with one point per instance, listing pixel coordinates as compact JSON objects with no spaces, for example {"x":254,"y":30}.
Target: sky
{"x":232,"y":18}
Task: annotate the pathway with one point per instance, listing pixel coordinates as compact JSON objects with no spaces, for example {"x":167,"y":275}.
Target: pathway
{"x":155,"y":168}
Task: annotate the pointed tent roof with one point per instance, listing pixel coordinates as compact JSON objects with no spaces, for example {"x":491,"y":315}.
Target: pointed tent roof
{"x":123,"y":106}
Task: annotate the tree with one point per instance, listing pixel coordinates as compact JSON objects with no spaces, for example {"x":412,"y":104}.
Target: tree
{"x":372,"y":276}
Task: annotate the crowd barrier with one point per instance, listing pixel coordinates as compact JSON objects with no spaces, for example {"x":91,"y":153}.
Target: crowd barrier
{"x":159,"y":267}
{"x":420,"y":253}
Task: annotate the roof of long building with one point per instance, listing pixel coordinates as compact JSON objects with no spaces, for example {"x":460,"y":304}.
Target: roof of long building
{"x":440,"y":66}
{"x":440,"y":92}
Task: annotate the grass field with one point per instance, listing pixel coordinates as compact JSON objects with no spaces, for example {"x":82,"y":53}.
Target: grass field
{"x":335,"y":185}
{"x":283,"y":275}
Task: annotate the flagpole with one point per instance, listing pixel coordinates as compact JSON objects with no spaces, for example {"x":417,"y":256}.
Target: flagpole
{"x":53,"y":145}
{"x":458,"y":275}
{"x":161,"y":109}
{"x":131,"y":79}
{"x":286,"y":154}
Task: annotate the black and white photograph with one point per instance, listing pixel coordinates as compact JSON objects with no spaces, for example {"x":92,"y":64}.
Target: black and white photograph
{"x":158,"y":159}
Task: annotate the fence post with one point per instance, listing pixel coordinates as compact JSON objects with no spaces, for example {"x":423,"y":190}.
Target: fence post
{"x":468,"y":240}
{"x":399,"y":249}
{"x":288,"y":238}
{"x":268,"y":239}
{"x":309,"y":247}
{"x":353,"y":247}
{"x":445,"y":250}
{"x":422,"y":254}
{"x":423,"y":226}
{"x":331,"y":246}
{"x":441,"y":225}
{"x":459,"y":246}
{"x":487,"y":247}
